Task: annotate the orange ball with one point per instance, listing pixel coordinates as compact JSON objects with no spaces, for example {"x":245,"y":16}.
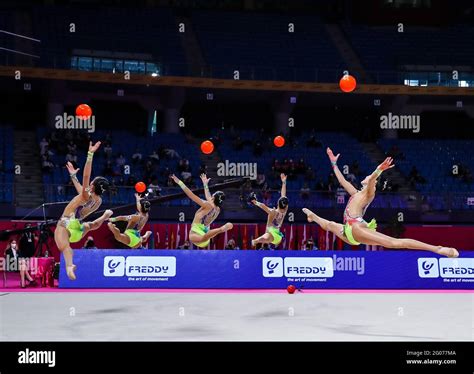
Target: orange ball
{"x":279,"y":141}
{"x":207,"y":147}
{"x":347,"y":83}
{"x":140,"y":187}
{"x":83,"y":110}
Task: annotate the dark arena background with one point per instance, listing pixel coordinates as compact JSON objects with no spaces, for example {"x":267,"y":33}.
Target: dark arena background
{"x":255,"y":99}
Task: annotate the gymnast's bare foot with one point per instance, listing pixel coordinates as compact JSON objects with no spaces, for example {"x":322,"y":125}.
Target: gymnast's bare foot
{"x":146,"y":236}
{"x":70,"y":272}
{"x":226,"y":227}
{"x":113,"y":228}
{"x":448,"y":252}
{"x":310,"y":215}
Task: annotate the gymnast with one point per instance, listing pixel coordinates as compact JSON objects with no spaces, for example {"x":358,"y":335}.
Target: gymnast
{"x":135,"y":223}
{"x":275,"y":219}
{"x":355,"y":230}
{"x":70,"y":227}
{"x":200,"y":233}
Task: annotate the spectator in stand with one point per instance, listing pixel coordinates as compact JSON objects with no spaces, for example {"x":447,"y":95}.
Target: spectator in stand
{"x":186,"y":176}
{"x":154,"y":188}
{"x":245,"y":190}
{"x":231,"y":244}
{"x":320,"y":186}
{"x":117,"y":170}
{"x":89,"y":244}
{"x":108,"y":151}
{"x":308,"y":245}
{"x":72,"y":158}
{"x":415,"y":177}
{"x":183,"y":165}
{"x":266,"y":196}
{"x":171,"y":153}
{"x":121,"y":160}
{"x":137,"y":156}
{"x":2,"y":168}
{"x":352,"y":179}
{"x":113,"y":188}
{"x":48,"y":152}
{"x":71,"y":147}
{"x":165,"y":173}
{"x":47,"y":164}
{"x":332,"y":182}
{"x":260,"y":181}
{"x":149,"y":170}
{"x":154,"y":157}
{"x":43,"y":145}
{"x":60,"y":190}
{"x":54,"y":140}
{"x":202,"y":169}
{"x":310,"y":174}
{"x":108,"y":137}
{"x":305,"y":191}
{"x":68,"y":136}
{"x":185,"y":245}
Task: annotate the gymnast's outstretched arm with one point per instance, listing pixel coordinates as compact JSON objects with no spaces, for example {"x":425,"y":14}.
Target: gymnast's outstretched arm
{"x":253,"y":200}
{"x":73,"y":174}
{"x":351,"y":190}
{"x":283,"y":185}
{"x":86,"y":177}
{"x":202,"y":203}
{"x":205,"y":183}
{"x":387,"y":164}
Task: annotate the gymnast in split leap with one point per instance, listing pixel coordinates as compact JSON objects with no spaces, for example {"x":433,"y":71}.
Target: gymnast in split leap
{"x":355,"y":230}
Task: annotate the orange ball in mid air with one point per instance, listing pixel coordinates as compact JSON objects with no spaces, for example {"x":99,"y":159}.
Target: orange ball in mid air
{"x":207,"y":147}
{"x":279,"y":141}
{"x":83,"y":110}
{"x":140,"y":187}
{"x":347,"y":83}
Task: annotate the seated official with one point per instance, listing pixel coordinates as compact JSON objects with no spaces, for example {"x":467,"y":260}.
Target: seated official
{"x":15,"y":261}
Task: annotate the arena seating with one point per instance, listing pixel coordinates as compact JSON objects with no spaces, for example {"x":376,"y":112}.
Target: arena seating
{"x":435,"y":161}
{"x":441,"y":46}
{"x":122,"y":30}
{"x":7,"y":173}
{"x":124,"y":142}
{"x":260,"y":46}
